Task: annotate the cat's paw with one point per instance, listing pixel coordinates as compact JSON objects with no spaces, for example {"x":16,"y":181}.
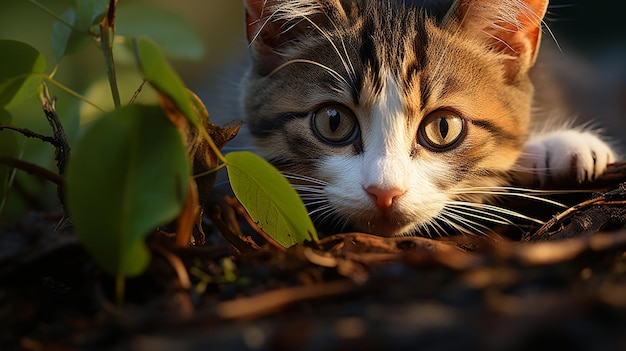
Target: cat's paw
{"x":563,"y":157}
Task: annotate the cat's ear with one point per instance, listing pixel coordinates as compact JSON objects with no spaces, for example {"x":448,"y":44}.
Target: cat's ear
{"x":271,"y":24}
{"x":269,"y":29}
{"x":510,"y":26}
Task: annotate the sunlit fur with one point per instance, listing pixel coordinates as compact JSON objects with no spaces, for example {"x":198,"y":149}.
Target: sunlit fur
{"x":392,"y":63}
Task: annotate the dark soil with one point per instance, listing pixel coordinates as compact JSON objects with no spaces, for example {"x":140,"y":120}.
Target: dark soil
{"x":561,"y":285}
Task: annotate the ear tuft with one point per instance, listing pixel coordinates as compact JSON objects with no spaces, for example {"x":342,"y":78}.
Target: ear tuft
{"x":512,"y":27}
{"x":273,"y":23}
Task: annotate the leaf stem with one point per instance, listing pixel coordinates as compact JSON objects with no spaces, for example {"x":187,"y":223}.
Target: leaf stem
{"x":210,"y":171}
{"x":69,"y":91}
{"x":214,"y":147}
{"x":51,"y":13}
{"x":107,"y":34}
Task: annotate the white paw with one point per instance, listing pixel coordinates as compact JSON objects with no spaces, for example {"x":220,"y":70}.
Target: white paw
{"x":567,"y":156}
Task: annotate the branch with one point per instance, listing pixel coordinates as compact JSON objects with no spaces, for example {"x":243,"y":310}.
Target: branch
{"x":32,"y":168}
{"x":30,"y":134}
{"x":59,"y":139}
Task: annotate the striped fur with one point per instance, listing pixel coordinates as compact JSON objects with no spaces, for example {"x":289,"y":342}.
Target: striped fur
{"x":393,"y":64}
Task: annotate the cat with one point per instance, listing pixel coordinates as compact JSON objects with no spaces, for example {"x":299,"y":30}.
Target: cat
{"x":406,"y":117}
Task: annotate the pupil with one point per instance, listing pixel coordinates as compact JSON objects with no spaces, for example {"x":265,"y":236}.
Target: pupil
{"x":444,"y":128}
{"x":334,"y":119}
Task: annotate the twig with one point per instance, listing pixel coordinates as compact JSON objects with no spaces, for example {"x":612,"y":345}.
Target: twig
{"x":241,"y":243}
{"x":177,"y":265}
{"x":32,"y":169}
{"x":137,"y":92}
{"x":270,"y":301}
{"x":179,"y":268}
{"x":30,"y":134}
{"x":61,"y":145}
{"x":611,"y":199}
{"x":236,"y":205}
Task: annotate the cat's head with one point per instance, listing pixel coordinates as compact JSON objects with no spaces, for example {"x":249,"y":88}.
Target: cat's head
{"x":388,"y":114}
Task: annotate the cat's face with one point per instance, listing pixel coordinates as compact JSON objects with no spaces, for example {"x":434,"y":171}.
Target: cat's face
{"x":387,"y":118}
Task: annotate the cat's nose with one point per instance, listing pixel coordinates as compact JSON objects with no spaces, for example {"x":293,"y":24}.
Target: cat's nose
{"x":384,"y":196}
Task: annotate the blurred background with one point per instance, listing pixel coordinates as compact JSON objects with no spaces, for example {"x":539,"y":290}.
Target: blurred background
{"x":591,"y":35}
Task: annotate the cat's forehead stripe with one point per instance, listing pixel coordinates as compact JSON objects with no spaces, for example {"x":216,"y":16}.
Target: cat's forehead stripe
{"x":395,"y":40}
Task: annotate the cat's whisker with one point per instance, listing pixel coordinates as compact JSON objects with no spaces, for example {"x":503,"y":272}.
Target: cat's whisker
{"x":464,"y":225}
{"x":332,"y":43}
{"x":314,"y":205}
{"x":512,"y":189}
{"x":260,"y":30}
{"x":308,"y":186}
{"x":512,"y":192}
{"x":337,"y":90}
{"x":330,"y":219}
{"x":310,"y":195}
{"x":435,"y":226}
{"x":478,"y":214}
{"x":453,"y":225}
{"x":323,"y":209}
{"x":529,"y":170}
{"x":328,"y":69}
{"x":440,"y":230}
{"x":504,"y":211}
{"x":352,"y":72}
{"x":304,"y":178}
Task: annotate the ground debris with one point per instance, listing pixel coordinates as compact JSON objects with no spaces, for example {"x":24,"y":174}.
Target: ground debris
{"x":563,"y":283}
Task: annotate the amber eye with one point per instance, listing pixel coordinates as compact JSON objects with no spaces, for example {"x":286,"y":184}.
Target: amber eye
{"x":335,"y":125}
{"x":442,"y":130}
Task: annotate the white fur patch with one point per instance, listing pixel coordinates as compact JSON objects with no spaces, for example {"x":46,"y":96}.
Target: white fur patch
{"x":386,"y":142}
{"x":564,"y":156}
{"x":385,"y":163}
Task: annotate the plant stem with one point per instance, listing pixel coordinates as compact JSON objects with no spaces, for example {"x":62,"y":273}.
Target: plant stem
{"x":107,"y":36}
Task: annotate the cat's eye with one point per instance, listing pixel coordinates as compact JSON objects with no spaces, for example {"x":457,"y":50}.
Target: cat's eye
{"x":442,"y":130}
{"x":335,"y":125}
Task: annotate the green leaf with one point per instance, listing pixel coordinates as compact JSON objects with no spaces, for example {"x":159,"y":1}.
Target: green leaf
{"x":162,"y":77}
{"x":81,"y":16}
{"x":63,"y":39}
{"x":170,"y":31}
{"x":90,"y":12}
{"x":269,"y":199}
{"x":128,"y":174}
{"x":20,"y":65}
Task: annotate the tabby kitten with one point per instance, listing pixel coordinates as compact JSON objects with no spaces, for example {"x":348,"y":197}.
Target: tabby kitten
{"x":398,"y":117}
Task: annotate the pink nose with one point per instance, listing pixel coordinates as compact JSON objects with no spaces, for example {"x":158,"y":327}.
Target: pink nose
{"x":384,"y":197}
